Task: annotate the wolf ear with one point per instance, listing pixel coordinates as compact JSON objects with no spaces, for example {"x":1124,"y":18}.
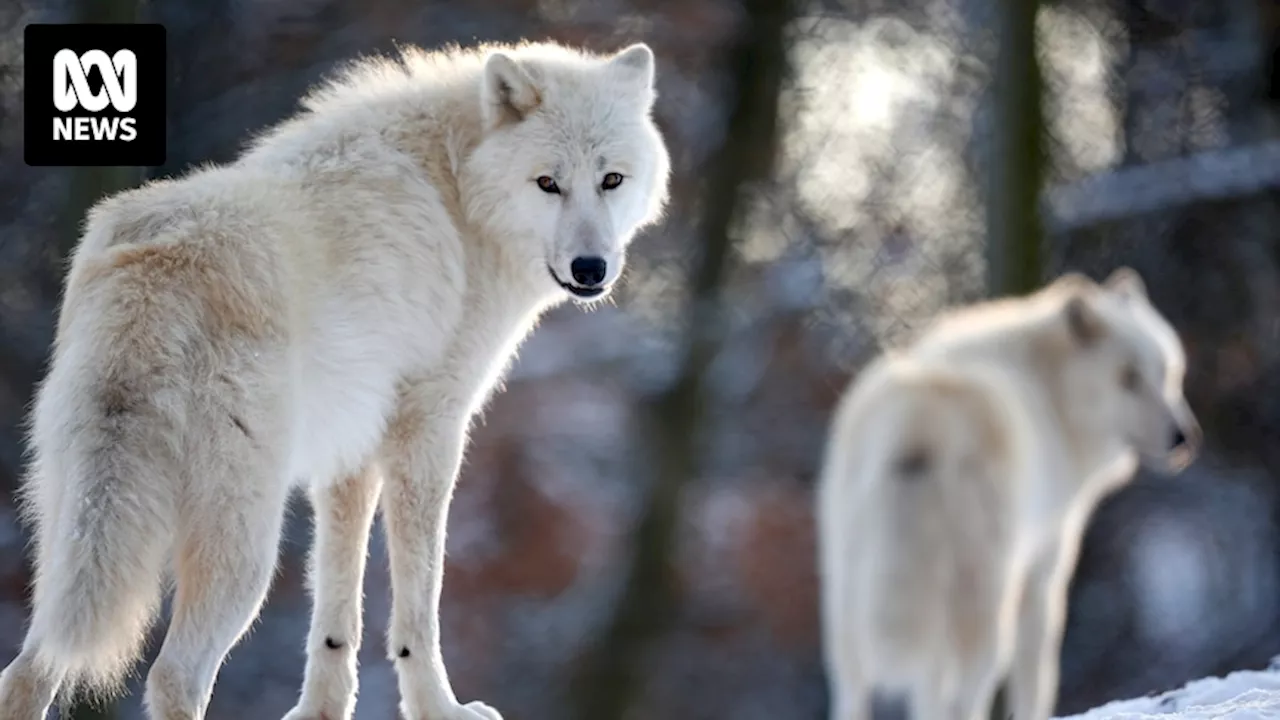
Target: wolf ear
{"x":635,"y":61}
{"x":634,"y":66}
{"x":1074,"y":282}
{"x":1127,"y":283}
{"x":1084,"y":325}
{"x":508,"y":93}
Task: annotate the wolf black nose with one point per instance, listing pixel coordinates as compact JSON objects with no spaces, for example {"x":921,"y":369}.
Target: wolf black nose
{"x":588,"y":271}
{"x":1178,"y":440}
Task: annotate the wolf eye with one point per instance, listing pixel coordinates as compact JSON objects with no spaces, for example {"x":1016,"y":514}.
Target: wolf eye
{"x":547,"y":185}
{"x":1130,"y":378}
{"x":611,"y":181}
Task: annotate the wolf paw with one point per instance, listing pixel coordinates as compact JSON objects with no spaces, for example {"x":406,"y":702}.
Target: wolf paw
{"x":301,"y":713}
{"x":475,"y":710}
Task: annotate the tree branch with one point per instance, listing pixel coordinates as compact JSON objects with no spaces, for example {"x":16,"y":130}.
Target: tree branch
{"x":1131,"y":191}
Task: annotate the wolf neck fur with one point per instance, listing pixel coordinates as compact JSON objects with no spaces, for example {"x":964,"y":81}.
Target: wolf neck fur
{"x":1084,"y":464}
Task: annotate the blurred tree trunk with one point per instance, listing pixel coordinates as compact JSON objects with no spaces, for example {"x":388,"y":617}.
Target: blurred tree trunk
{"x":1269,"y":14}
{"x":608,"y":679}
{"x":88,"y":185}
{"x":1015,"y":242}
{"x":1014,"y":233}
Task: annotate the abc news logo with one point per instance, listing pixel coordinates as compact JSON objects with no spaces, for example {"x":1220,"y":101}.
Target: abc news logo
{"x":94,"y":95}
{"x":71,"y":90}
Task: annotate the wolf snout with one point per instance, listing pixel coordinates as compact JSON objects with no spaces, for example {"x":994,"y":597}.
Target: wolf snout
{"x":1186,"y":436}
{"x":588,"y":271}
{"x":1184,"y":443}
{"x":586,"y":279}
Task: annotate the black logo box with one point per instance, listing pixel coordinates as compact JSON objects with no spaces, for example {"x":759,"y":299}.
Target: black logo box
{"x":43,"y":41}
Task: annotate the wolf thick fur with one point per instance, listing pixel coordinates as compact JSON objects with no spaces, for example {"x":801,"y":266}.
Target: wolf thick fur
{"x":330,"y":309}
{"x":960,"y":472}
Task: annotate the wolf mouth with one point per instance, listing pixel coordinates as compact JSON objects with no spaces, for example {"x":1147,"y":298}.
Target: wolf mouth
{"x":576,"y":290}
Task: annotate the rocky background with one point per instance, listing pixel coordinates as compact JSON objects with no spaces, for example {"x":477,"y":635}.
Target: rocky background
{"x":851,"y":189}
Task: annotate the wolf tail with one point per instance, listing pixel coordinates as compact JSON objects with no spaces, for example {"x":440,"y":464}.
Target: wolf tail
{"x":950,"y":482}
{"x":104,"y":518}
{"x":953,"y":441}
{"x":103,"y":502}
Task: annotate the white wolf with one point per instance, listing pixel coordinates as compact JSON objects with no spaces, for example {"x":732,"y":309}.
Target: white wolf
{"x":332,"y":308}
{"x":958,"y":478}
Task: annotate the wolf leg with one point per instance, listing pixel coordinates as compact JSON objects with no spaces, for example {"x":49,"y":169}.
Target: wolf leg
{"x":229,"y":532}
{"x":343,"y":517}
{"x":422,"y":456}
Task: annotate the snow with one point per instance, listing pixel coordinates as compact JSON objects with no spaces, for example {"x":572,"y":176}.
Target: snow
{"x":1241,"y":695}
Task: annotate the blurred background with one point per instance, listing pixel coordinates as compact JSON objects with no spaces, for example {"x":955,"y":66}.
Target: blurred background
{"x":632,"y":533}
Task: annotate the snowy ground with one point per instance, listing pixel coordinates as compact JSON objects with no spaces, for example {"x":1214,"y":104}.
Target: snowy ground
{"x":1243,"y":695}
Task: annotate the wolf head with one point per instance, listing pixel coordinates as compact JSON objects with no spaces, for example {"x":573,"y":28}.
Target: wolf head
{"x":1123,"y":370}
{"x":571,"y":164}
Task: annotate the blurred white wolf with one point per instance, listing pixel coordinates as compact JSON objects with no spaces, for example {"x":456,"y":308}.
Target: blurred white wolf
{"x":959,"y":475}
{"x":332,"y":308}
